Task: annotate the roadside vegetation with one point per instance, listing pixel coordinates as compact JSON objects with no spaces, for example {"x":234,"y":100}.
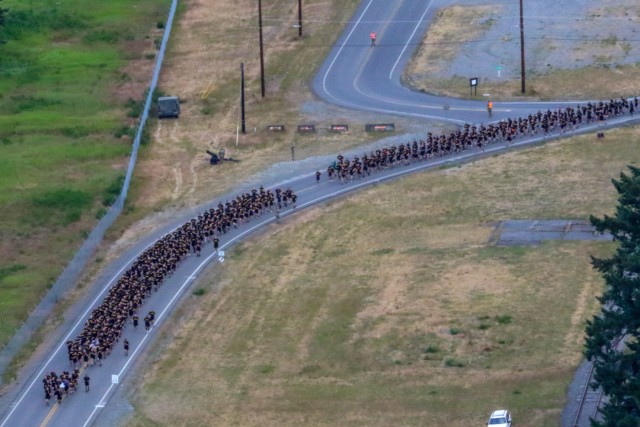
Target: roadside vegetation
{"x":617,"y":323}
{"x":67,"y":71}
{"x":391,"y":307}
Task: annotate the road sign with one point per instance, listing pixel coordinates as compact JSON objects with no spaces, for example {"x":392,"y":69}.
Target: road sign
{"x":115,"y":379}
{"x":221,"y":256}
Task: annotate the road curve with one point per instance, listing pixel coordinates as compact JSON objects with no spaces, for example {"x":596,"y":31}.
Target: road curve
{"x":358,"y":76}
{"x":354,"y":81}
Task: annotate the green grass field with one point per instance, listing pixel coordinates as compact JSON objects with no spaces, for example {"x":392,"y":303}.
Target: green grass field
{"x":62,"y":74}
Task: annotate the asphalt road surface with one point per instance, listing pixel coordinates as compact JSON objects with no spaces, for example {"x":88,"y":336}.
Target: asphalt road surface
{"x":362,"y":77}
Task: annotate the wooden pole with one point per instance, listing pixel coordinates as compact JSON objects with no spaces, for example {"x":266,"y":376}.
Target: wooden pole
{"x":262,"y":86}
{"x":522,"y":66}
{"x":242,"y":119}
{"x":299,"y":18}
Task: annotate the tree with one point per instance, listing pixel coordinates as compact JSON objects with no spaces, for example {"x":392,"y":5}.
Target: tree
{"x":612,"y":342}
{"x":3,"y":20}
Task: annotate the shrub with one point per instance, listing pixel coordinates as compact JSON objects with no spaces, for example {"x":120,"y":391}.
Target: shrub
{"x":124,"y":130}
{"x":112,"y":192}
{"x":453,"y":363}
{"x":10,"y":270}
{"x":432,"y":348}
{"x":63,"y":199}
{"x":504,"y":319}
{"x":134,"y":108}
{"x":199,"y":292}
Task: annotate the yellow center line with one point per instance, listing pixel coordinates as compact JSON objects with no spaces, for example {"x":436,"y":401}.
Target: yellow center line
{"x":50,"y":415}
{"x":57,"y":405}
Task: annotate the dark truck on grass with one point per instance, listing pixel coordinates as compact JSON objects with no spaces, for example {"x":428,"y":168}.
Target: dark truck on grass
{"x":168,"y":106}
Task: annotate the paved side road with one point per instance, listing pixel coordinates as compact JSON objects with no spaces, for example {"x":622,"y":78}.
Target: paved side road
{"x":525,"y":232}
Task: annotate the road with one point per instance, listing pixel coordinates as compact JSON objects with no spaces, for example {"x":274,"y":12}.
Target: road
{"x":364,"y":78}
{"x":358,"y":76}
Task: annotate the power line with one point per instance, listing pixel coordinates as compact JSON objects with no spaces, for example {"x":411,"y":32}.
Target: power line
{"x":482,"y":19}
{"x":450,"y":42}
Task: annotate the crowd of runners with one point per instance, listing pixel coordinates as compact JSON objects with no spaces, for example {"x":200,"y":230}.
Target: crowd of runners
{"x":62,"y":385}
{"x":123,"y":303}
{"x":477,"y":136}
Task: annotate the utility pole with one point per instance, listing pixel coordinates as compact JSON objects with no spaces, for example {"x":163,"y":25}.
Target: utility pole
{"x":299,"y":18}
{"x":522,"y":47}
{"x":242,"y":119}
{"x":261,"y":48}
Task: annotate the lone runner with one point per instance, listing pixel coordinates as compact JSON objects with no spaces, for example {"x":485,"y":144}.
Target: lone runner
{"x":373,"y":38}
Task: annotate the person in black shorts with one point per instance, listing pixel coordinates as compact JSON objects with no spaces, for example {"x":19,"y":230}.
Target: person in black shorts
{"x":86,"y":383}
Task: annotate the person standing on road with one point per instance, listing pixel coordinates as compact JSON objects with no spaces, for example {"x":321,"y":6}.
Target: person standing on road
{"x":86,"y":383}
{"x":126,"y":347}
{"x":372,"y":36}
{"x":490,"y":108}
{"x":318,"y":174}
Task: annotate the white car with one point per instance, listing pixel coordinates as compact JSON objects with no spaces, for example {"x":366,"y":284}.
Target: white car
{"x":500,"y":418}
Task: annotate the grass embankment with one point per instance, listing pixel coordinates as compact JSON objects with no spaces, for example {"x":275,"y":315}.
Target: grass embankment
{"x":390,"y":307}
{"x":428,"y":70}
{"x":66,"y":73}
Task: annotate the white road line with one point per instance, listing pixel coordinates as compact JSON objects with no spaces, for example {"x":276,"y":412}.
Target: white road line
{"x":335,"y":58}
{"x":404,"y":49}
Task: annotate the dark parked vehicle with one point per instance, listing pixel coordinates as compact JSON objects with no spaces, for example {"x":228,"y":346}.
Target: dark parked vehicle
{"x":168,"y":106}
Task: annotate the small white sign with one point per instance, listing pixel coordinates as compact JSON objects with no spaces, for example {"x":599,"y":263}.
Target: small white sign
{"x":221,"y":254}
{"x":115,"y":379}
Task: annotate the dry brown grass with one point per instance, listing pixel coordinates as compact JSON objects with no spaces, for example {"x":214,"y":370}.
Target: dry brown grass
{"x":357,"y":312}
{"x":442,"y":43}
